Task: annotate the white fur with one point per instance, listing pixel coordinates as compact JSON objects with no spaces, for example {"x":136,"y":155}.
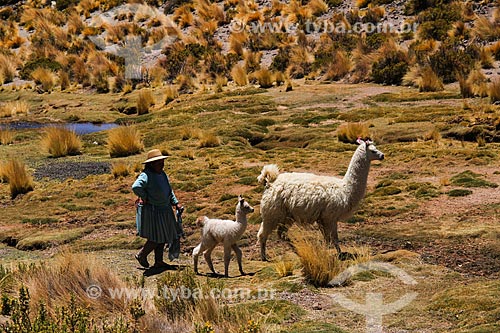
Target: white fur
{"x":308,"y":198}
{"x":228,"y":232}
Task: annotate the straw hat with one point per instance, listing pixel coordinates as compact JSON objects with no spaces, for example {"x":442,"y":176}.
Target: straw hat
{"x":154,"y":155}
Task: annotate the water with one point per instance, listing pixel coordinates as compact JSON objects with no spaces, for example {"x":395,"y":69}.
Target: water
{"x":79,"y":128}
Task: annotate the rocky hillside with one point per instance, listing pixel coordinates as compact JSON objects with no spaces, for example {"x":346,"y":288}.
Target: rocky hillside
{"x":112,"y":45}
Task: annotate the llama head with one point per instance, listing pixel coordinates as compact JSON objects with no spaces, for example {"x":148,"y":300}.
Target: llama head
{"x":371,"y":151}
{"x":243,"y":206}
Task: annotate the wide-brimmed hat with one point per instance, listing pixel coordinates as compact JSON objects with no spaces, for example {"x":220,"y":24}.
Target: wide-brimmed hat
{"x":154,"y":155}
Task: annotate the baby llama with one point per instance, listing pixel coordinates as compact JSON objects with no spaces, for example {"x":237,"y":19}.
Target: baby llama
{"x":307,"y":198}
{"x":228,"y":232}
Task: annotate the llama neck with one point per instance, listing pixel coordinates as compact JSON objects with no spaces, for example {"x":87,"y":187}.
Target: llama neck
{"x":356,"y":178}
{"x":241,"y":217}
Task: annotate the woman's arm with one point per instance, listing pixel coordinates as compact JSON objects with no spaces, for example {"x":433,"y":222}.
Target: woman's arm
{"x":139,"y":186}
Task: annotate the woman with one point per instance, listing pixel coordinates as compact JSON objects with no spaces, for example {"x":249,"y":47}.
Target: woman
{"x":156,"y":220}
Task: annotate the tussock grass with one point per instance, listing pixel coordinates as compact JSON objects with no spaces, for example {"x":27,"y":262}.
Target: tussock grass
{"x":320,"y":263}
{"x":264,"y":78}
{"x":486,"y":29}
{"x":486,"y":58}
{"x":284,"y":268}
{"x":239,"y":75}
{"x":350,"y":132}
{"x":124,"y":141}
{"x":208,"y":140}
{"x":494,"y":91}
{"x":71,"y":274}
{"x":340,"y":66}
{"x":145,"y":101}
{"x":318,"y":7}
{"x":189,"y":132}
{"x":120,"y":169}
{"x":7,"y":69}
{"x":478,"y":83}
{"x":466,"y":89}
{"x":11,"y":109}
{"x":429,"y":81}
{"x":171,"y":93}
{"x":60,"y":141}
{"x":6,"y":136}
{"x":15,"y":173}
{"x":44,"y":77}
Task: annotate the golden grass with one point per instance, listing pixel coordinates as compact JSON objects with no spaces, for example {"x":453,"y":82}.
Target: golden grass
{"x":340,"y":66}
{"x":239,"y":75}
{"x":494,"y":91}
{"x":15,"y":173}
{"x":145,"y":101}
{"x":466,"y":90}
{"x":486,"y":58}
{"x":264,"y":78}
{"x":188,"y":132}
{"x":60,"y":141}
{"x":124,"y":141}
{"x":236,"y":42}
{"x":171,"y":93}
{"x":7,"y":69}
{"x":183,"y":16}
{"x":252,"y":61}
{"x":44,"y":77}
{"x":208,"y":140}
{"x":350,"y":132}
{"x":120,"y":169}
{"x":429,"y":81}
{"x":6,"y":136}
{"x":284,"y":268}
{"x":320,"y":263}
{"x":72,"y":274}
{"x":220,"y":82}
{"x":13,"y":108}
{"x":486,"y":29}
{"x":478,"y":83}
{"x":317,"y":7}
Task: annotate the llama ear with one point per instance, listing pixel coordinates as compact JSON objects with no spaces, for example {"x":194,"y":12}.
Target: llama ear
{"x":240,"y":198}
{"x":359,"y":140}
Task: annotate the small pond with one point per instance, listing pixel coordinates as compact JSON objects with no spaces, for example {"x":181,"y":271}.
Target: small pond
{"x":79,"y":128}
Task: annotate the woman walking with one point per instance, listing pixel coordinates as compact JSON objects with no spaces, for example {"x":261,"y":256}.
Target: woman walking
{"x":156,"y":221}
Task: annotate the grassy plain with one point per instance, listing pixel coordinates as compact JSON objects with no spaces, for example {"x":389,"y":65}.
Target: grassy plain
{"x":449,"y":243}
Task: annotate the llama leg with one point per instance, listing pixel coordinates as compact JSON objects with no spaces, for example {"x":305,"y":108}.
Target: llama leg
{"x":262,"y":237}
{"x":330,"y":233}
{"x":227,"y":258}
{"x":196,"y":254}
{"x":208,"y":258}
{"x":238,"y":252}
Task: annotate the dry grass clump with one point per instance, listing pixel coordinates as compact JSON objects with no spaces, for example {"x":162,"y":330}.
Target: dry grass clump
{"x":479,"y":83}
{"x":6,"y":136}
{"x":72,"y":274}
{"x":486,"y":58}
{"x":320,"y":263}
{"x":11,"y":109}
{"x":189,"y":132}
{"x":340,"y":66}
{"x":264,"y":78}
{"x":171,"y":93}
{"x":239,"y":75}
{"x":44,"y":77}
{"x":145,"y":101}
{"x":350,"y":132}
{"x":466,"y":90}
{"x":284,"y":268}
{"x":7,"y":69}
{"x":486,"y":29}
{"x":60,"y":141}
{"x":494,"y":91}
{"x":209,"y":140}
{"x":317,"y":7}
{"x":124,"y":141}
{"x":120,"y":169}
{"x":15,"y":173}
{"x":429,"y":81}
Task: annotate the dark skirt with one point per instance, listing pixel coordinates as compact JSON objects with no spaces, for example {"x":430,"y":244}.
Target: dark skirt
{"x":156,"y":223}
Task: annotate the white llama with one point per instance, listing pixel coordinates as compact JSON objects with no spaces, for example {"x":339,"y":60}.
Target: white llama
{"x":307,"y":198}
{"x":228,"y":232}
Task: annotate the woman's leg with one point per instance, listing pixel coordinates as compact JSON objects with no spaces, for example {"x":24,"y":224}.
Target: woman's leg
{"x":159,"y":255}
{"x":142,"y":256}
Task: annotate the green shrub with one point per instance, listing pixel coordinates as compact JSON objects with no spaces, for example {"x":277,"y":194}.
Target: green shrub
{"x":451,"y":61}
{"x":46,"y":63}
{"x":390,"y":69}
{"x":281,"y":60}
{"x":436,"y":21}
{"x":63,"y":4}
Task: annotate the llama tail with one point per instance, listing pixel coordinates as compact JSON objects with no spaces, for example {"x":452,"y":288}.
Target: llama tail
{"x":268,"y":174}
{"x":200,"y":221}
